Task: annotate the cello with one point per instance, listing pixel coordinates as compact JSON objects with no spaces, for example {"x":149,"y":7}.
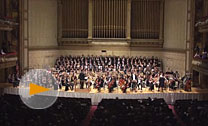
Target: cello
{"x":111,"y":85}
{"x":98,"y":83}
{"x":123,"y":85}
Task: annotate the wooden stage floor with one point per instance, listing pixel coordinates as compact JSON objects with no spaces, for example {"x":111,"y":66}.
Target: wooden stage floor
{"x":144,"y":90}
{"x":169,"y":96}
{"x":119,"y":91}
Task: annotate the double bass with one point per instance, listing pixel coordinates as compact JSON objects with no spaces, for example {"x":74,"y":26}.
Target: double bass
{"x":188,"y":85}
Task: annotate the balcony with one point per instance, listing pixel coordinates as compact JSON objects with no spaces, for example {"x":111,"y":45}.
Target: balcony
{"x":200,"y":65}
{"x":8,"y":60}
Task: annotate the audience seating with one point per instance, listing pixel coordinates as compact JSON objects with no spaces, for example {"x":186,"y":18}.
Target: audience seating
{"x":109,"y":112}
{"x":123,"y":112}
{"x":65,"y":111}
{"x":192,"y":112}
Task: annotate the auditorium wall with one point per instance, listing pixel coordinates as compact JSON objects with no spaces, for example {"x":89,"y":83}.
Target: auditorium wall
{"x":42,"y":33}
{"x":174,"y":61}
{"x":175,"y":24}
{"x":43,"y":58}
{"x":110,"y":50}
{"x":175,"y":18}
{"x":42,"y":23}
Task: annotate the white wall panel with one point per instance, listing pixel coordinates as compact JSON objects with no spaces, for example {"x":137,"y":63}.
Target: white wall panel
{"x":43,"y":23}
{"x":175,"y":24}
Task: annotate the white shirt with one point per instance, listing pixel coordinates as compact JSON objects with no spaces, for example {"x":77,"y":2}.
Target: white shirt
{"x":134,"y":78}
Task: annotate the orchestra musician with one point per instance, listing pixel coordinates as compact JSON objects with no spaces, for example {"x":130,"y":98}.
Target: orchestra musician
{"x":161,"y":82}
{"x":105,"y":81}
{"x":188,"y":85}
{"x":140,"y":80}
{"x":72,"y":83}
{"x":151,"y":84}
{"x":112,"y":84}
{"x":82,"y":79}
{"x":172,"y":84}
{"x":111,"y":67}
{"x":66,"y":81}
{"x":123,"y":84}
{"x":59,"y":83}
{"x":98,"y":82}
{"x":88,"y":82}
{"x":134,"y":81}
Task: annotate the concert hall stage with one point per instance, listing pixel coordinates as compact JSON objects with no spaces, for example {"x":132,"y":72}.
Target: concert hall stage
{"x":169,"y":96}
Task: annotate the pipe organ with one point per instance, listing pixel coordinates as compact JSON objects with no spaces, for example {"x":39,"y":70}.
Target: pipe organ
{"x":74,"y":18}
{"x":109,"y":18}
{"x":135,"y":21}
{"x":145,"y":19}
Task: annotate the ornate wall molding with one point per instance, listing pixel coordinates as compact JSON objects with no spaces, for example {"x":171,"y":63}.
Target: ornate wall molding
{"x":111,"y":41}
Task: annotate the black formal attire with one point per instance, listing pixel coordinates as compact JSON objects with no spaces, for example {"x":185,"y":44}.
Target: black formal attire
{"x":161,"y":83}
{"x":134,"y":81}
{"x":82,"y":79}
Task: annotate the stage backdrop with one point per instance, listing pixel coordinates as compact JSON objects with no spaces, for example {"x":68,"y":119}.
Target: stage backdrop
{"x":44,"y":31}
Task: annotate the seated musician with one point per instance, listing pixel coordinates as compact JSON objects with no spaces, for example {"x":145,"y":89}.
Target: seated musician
{"x":188,"y":85}
{"x":59,"y":83}
{"x":98,"y":83}
{"x":123,"y":84}
{"x":151,"y":85}
{"x":88,"y":82}
{"x":172,"y":84}
{"x":64,"y":82}
{"x":14,"y":80}
{"x":112,"y":84}
{"x":105,"y":81}
{"x":72,"y":82}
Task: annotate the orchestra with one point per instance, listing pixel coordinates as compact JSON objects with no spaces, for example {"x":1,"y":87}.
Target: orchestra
{"x":123,"y":73}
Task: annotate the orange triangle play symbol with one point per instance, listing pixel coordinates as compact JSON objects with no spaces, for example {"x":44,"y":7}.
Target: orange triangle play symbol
{"x":35,"y":89}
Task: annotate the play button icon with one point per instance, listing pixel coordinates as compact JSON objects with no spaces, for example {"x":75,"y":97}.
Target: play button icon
{"x":38,"y":89}
{"x":35,"y":89}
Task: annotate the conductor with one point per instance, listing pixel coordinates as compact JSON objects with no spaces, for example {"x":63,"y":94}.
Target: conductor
{"x":82,"y":79}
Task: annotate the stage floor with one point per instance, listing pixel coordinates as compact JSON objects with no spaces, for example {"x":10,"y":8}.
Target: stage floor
{"x":119,"y":91}
{"x":95,"y":96}
{"x":144,"y":90}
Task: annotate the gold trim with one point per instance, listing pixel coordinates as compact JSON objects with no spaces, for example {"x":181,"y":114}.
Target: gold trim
{"x":115,"y":48}
{"x":36,"y":48}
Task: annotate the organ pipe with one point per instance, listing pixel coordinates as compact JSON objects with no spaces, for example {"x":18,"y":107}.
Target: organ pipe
{"x":109,"y":18}
{"x":145,"y":19}
{"x":75,"y":18}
